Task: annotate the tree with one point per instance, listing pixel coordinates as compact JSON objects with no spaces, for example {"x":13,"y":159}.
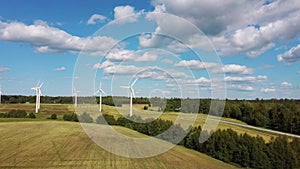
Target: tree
{"x":31,"y":115}
{"x":53,"y":116}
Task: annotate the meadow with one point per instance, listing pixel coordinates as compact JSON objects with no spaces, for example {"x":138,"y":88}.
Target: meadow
{"x":61,"y":109}
{"x":59,"y":144}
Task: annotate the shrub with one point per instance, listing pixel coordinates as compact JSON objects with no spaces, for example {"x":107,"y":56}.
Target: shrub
{"x":145,"y":107}
{"x":17,"y":114}
{"x":70,"y":117}
{"x":53,"y":116}
{"x":31,"y":115}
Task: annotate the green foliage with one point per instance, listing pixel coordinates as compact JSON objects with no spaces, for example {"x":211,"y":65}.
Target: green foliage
{"x":70,"y":117}
{"x":145,"y":107}
{"x":53,"y":116}
{"x":31,"y":115}
{"x":17,"y":114}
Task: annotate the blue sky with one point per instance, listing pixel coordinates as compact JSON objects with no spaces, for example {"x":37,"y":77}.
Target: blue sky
{"x":257,"y":51}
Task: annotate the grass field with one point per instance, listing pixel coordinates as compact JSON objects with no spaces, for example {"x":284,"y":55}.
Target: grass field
{"x":60,"y":109}
{"x":58,"y":144}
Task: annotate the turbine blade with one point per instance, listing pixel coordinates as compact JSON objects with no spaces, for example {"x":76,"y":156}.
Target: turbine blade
{"x":101,"y":91}
{"x":41,"y":84}
{"x":37,"y":83}
{"x":132,"y":84}
{"x":127,"y":87}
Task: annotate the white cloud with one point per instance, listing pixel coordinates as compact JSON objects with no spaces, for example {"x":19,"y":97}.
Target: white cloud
{"x":268,"y":90}
{"x":60,"y":69}
{"x":202,"y":81}
{"x":240,"y":88}
{"x":286,"y":85}
{"x":120,"y":55}
{"x":122,"y":70}
{"x":4,"y":69}
{"x":196,"y":64}
{"x":125,"y":14}
{"x":246,"y":79}
{"x":228,"y":69}
{"x":291,"y":56}
{"x":50,"y":39}
{"x":96,"y":18}
{"x":236,"y":69}
{"x":236,"y":27}
{"x":103,"y":65}
{"x":138,"y":56}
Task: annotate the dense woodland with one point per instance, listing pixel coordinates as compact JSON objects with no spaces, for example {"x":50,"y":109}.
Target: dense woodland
{"x":281,"y":115}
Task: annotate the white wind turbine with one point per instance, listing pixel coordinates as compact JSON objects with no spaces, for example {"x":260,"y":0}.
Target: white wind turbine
{"x":75,"y":93}
{"x":38,"y":96}
{"x":131,"y":94}
{"x":100,"y":91}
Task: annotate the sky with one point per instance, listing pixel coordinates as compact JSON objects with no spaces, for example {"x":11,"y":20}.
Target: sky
{"x":176,"y":48}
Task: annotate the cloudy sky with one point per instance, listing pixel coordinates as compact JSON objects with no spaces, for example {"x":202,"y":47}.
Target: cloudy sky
{"x":251,"y":45}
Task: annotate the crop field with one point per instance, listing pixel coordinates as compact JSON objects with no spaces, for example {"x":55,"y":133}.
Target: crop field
{"x":60,"y":109}
{"x":58,"y":144}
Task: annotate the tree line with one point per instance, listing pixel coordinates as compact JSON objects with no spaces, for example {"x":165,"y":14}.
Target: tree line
{"x":281,"y":115}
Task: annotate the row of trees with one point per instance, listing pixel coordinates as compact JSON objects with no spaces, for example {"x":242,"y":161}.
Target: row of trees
{"x":282,"y":115}
{"x":17,"y":114}
{"x":225,"y":145}
{"x":247,"y":151}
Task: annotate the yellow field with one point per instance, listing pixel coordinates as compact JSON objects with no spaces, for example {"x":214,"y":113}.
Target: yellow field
{"x":57,"y":144}
{"x":60,"y":109}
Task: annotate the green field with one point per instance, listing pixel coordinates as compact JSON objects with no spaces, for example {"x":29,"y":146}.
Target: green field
{"x":57,"y":144}
{"x":61,"y":109}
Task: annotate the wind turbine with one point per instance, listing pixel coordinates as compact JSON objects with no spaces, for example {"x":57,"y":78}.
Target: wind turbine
{"x":100,"y":91}
{"x":131,"y":94}
{"x":75,"y":96}
{"x":38,"y":96}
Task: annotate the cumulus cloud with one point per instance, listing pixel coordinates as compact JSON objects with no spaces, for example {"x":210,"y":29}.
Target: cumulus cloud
{"x":4,"y":69}
{"x":228,"y":69}
{"x":235,"y":27}
{"x":96,"y":18}
{"x":103,"y":65}
{"x":236,"y":69}
{"x":268,"y":90}
{"x":246,"y":79}
{"x":196,"y":64}
{"x":60,"y":69}
{"x":124,"y":55}
{"x":240,"y":88}
{"x":202,"y":81}
{"x":50,"y":39}
{"x":291,"y":56}
{"x":286,"y":85}
{"x":125,"y":14}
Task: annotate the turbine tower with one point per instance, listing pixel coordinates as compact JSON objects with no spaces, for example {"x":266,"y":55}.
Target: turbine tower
{"x":38,"y":96}
{"x":131,"y":94}
{"x":100,"y":91}
{"x":75,"y":93}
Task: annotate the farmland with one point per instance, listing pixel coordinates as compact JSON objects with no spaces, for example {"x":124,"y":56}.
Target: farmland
{"x":61,"y":109}
{"x":57,"y":144}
